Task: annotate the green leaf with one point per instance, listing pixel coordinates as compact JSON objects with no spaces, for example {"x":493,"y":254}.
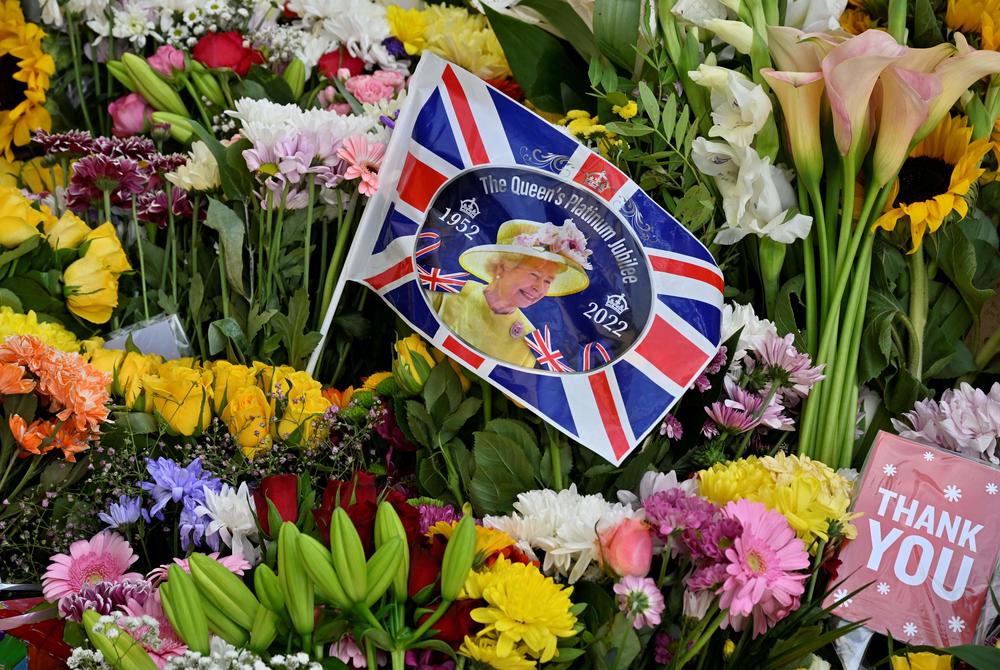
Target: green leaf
{"x":519,"y":433}
{"x":248,"y":88}
{"x":451,"y":425}
{"x":420,"y":423}
{"x":616,"y":28}
{"x":629,"y":129}
{"x":979,"y":657}
{"x":230,"y":228}
{"x":570,"y":25}
{"x":196,"y":297}
{"x":431,"y":476}
{"x":298,"y":340}
{"x":669,"y":116}
{"x":649,"y":103}
{"x":525,"y":47}
{"x":138,"y":422}
{"x":25,"y":247}
{"x":9,"y":299}
{"x":34,"y":295}
{"x":226,"y":329}
{"x":926,"y":28}
{"x":502,"y":472}
{"x":695,"y":208}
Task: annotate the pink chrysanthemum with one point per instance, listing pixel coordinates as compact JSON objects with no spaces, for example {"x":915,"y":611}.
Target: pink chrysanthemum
{"x":103,"y":558}
{"x":640,"y":600}
{"x":363,"y":160}
{"x":763,"y":577}
{"x":790,"y":368}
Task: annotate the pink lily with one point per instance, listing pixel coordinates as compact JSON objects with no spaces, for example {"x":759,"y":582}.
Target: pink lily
{"x":906,"y":95}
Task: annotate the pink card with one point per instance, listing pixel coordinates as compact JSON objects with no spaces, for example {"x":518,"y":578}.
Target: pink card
{"x":927,"y":541}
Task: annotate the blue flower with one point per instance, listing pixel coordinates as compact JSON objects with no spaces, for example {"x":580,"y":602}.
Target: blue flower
{"x":124,"y":512}
{"x":193,"y":527}
{"x":172,"y":483}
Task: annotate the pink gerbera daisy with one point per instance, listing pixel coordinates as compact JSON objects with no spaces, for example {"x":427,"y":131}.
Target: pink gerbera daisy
{"x":103,"y":558}
{"x":363,"y":160}
{"x":763,"y":575}
{"x":169,"y":644}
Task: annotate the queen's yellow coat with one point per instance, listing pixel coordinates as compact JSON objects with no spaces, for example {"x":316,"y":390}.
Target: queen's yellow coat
{"x":500,"y":336}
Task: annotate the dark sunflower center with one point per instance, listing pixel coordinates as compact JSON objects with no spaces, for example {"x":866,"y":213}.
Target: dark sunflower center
{"x":12,"y":92}
{"x":922,"y":178}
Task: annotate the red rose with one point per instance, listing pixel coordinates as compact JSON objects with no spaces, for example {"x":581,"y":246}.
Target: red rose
{"x":457,"y":622}
{"x":226,"y":50}
{"x":358,"y":498}
{"x":329,"y":63}
{"x":408,"y":515}
{"x":425,"y":567}
{"x":282,"y":490}
{"x":508,"y":87}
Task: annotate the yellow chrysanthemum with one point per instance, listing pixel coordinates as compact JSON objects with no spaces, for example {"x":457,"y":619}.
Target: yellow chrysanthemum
{"x":409,"y":26}
{"x":524,"y":608}
{"x":935,"y":179}
{"x":484,"y":650}
{"x":808,"y":493}
{"x":626,"y":111}
{"x":25,"y":70}
{"x":581,"y":124}
{"x":488,"y":540}
{"x":374,"y":379}
{"x":466,"y":40}
{"x":51,"y":333}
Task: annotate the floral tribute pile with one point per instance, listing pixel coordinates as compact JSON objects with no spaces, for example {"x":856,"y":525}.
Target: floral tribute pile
{"x":201,"y":500}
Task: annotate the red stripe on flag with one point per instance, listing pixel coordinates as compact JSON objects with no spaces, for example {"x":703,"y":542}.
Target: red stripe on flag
{"x":462,"y":351}
{"x":394,"y":273}
{"x":689,"y":270}
{"x":418,"y":183}
{"x":675,"y":355}
{"x":463,"y":114}
{"x":608,"y":410}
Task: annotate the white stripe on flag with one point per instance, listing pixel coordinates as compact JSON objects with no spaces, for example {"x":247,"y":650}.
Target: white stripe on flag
{"x":654,"y":373}
{"x":408,"y":210}
{"x":575,"y":162}
{"x":665,"y":283}
{"x":432,"y":160}
{"x":627,"y":190}
{"x":492,"y":132}
{"x":586,"y":415}
{"x":483,"y":370}
{"x":683,"y":258}
{"x":620,"y":406}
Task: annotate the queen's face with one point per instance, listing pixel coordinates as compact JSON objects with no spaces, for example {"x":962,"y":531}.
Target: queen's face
{"x":524,"y":282}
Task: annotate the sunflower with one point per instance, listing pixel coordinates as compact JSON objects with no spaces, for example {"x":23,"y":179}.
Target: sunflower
{"x":967,"y":15}
{"x":855,"y":21}
{"x":25,"y":70}
{"x":935,"y":179}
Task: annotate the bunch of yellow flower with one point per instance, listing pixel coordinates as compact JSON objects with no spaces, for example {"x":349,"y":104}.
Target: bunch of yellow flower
{"x":452,"y":33}
{"x":526,"y":614}
{"x":51,"y":333}
{"x":30,"y":70}
{"x":807,"y":492}
{"x":258,"y":404}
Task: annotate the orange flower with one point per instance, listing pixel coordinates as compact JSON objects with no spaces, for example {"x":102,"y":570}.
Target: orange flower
{"x":30,"y":438}
{"x":12,"y":380}
{"x":70,"y":441}
{"x":339,"y":398}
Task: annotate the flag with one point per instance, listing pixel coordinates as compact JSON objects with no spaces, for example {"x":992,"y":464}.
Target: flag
{"x":535,"y":263}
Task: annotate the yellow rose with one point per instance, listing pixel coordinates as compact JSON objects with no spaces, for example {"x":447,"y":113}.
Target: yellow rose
{"x":270,"y":375}
{"x":18,"y":219}
{"x":180,"y":397}
{"x":228,"y":379}
{"x":923,"y":660}
{"x":106,"y":360}
{"x":302,"y":411}
{"x":248,"y":417}
{"x":91,"y":290}
{"x":66,"y":232}
{"x":412,"y":363}
{"x":105,"y":246}
{"x":128,"y":378}
{"x":299,"y":383}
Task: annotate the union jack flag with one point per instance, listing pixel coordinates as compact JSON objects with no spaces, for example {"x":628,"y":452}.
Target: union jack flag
{"x":540,"y":342}
{"x":453,"y":121}
{"x":435,"y":280}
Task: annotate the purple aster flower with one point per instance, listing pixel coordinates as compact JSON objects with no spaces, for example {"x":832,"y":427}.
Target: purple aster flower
{"x":72,"y":143}
{"x":640,"y":600}
{"x":172,"y":483}
{"x":432,"y":514}
{"x":162,"y":164}
{"x":193,"y":527}
{"x":661,"y":649}
{"x":673,"y":511}
{"x":671,"y":428}
{"x":124,"y":512}
{"x":104,"y":597}
{"x":395,"y":47}
{"x":791,"y":369}
{"x":702,"y":383}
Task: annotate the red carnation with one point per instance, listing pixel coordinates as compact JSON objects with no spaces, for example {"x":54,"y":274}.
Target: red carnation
{"x":282,"y":490}
{"x":226,"y":50}
{"x":508,"y":87}
{"x":330,"y":62}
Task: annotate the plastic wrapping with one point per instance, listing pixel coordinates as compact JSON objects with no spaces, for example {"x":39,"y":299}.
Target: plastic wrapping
{"x":927,"y":543}
{"x":163,"y":335}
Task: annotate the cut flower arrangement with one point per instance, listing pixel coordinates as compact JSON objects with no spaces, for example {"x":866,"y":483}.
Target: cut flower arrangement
{"x":276,"y":483}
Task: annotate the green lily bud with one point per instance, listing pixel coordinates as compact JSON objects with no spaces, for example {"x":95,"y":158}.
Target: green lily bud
{"x":182,"y":605}
{"x":180,"y":126}
{"x":295,"y":76}
{"x":348,"y":556}
{"x":295,"y":583}
{"x":152,"y":87}
{"x":207,"y":85}
{"x":387,"y":527}
{"x":118,"y":71}
{"x":120,"y":651}
{"x":458,"y":557}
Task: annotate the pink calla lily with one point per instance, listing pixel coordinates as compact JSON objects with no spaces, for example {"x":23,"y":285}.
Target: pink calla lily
{"x":957,"y":73}
{"x":906,"y":96}
{"x":801,"y":95}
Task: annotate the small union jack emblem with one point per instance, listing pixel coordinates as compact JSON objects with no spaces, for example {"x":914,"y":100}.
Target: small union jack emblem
{"x":435,"y":280}
{"x":594,"y":354}
{"x":540,"y":341}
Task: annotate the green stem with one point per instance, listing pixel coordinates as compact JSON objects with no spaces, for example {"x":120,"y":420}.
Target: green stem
{"x":452,"y":475}
{"x":308,"y":236}
{"x":897,"y":20}
{"x":815,"y":572}
{"x":225,"y":285}
{"x":107,"y":208}
{"x":142,"y":256}
{"x":74,"y":45}
{"x":918,"y":311}
{"x":823,"y":242}
{"x":618,"y":648}
{"x":705,"y":634}
{"x":340,"y":247}
{"x":6,"y":473}
{"x":205,"y":118}
{"x":809,"y":267}
{"x":442,"y":608}
{"x":988,"y":350}
{"x":850,"y":169}
{"x":555,"y":453}
{"x":276,"y":241}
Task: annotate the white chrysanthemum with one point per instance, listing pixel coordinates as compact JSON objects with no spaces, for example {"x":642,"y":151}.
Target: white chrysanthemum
{"x":654,"y":482}
{"x":200,"y":173}
{"x":232,"y":516}
{"x":565,"y":525}
{"x":134,"y":22}
{"x":360,"y":25}
{"x":754,"y":329}
{"x":90,"y":9}
{"x":266,"y":123}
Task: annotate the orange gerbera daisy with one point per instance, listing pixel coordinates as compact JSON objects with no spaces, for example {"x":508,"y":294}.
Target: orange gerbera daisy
{"x":12,"y":380}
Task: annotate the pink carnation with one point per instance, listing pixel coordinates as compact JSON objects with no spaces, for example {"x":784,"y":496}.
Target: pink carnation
{"x":764,"y":577}
{"x":103,"y":558}
{"x":367,"y":89}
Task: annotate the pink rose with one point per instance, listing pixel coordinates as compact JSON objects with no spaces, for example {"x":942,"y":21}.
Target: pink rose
{"x":368,"y":89}
{"x":131,"y":115}
{"x":628,"y":548}
{"x":166,"y":60}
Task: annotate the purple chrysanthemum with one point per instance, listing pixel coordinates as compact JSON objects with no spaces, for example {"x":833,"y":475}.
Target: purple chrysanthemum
{"x":744,"y":410}
{"x":791,"y":369}
{"x":94,"y":175}
{"x":104,"y":597}
{"x":661,"y":649}
{"x":124,"y":512}
{"x":72,"y":143}
{"x":671,"y":428}
{"x":640,"y":600}
{"x":173,"y":483}
{"x":674,"y":511}
{"x":432,"y":514}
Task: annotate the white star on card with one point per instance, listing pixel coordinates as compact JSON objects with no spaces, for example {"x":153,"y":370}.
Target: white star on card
{"x":889,"y":469}
{"x":952,"y":493}
{"x":928,"y":456}
{"x":882,"y":588}
{"x":909,"y":629}
{"x":991,"y":489}
{"x":956,"y":624}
